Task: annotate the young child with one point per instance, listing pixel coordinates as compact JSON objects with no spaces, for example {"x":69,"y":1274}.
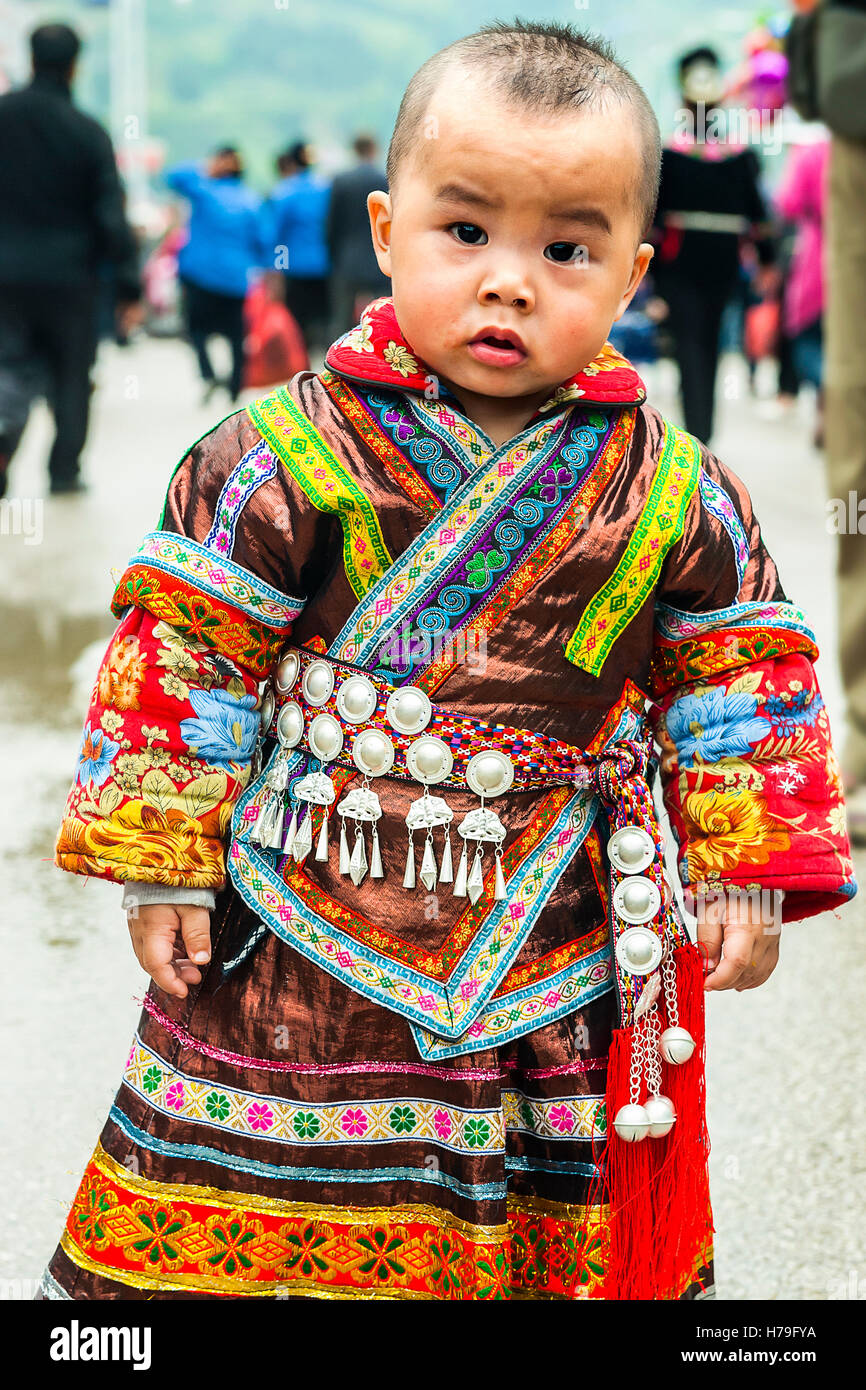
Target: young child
{"x":412,"y":947}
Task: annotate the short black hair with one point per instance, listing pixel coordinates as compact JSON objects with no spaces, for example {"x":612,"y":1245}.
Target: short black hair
{"x":545,"y":67}
{"x":298,"y":153}
{"x":54,"y":47}
{"x":364,"y":146}
{"x":698,"y":55}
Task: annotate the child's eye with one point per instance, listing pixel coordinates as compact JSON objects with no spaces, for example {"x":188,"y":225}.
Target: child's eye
{"x":468,"y":233}
{"x":564,"y":252}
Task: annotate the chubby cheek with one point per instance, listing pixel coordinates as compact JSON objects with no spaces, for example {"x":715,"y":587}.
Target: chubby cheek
{"x":427,"y":302}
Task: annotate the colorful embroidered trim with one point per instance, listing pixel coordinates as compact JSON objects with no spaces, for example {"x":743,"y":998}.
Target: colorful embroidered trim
{"x":394,"y":1119}
{"x":658,"y":527}
{"x":420,"y":1172}
{"x":165,"y":1237}
{"x":527,"y":1009}
{"x":500,"y":513}
{"x":693,"y":646}
{"x":719,"y":505}
{"x":676,"y":622}
{"x":257,"y":466}
{"x":187,"y":560}
{"x":388,"y":454}
{"x":327,"y":483}
{"x":177,"y":580}
{"x":516,"y":584}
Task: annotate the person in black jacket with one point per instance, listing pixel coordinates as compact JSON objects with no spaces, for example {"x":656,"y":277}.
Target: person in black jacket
{"x":709,"y":201}
{"x":355,"y":274}
{"x":61,"y":217}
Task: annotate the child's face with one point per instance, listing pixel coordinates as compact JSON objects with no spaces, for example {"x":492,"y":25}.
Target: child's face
{"x":505,"y":219}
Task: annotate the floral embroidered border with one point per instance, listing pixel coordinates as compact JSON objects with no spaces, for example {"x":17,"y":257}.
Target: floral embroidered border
{"x":167,"y":1237}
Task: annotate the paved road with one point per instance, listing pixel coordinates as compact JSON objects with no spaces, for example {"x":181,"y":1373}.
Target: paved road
{"x":786,"y":1113}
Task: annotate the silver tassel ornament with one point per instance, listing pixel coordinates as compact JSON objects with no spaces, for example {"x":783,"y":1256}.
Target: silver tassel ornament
{"x":303,"y":841}
{"x":499,"y":891}
{"x":409,"y":875}
{"x":427,"y":873}
{"x":290,"y":833}
{"x":376,"y":870}
{"x":358,"y":861}
{"x":475,"y":881}
{"x":446,"y":873}
{"x":462,"y":869}
{"x":322,"y":845}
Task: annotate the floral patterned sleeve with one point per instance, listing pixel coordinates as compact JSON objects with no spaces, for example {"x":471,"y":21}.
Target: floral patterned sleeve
{"x":749,"y":775}
{"x":204,"y":607}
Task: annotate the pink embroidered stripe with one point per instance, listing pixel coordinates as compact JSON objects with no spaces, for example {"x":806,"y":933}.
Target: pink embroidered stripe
{"x":312,"y":1069}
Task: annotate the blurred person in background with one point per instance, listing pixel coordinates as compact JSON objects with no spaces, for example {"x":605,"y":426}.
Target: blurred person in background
{"x":355,"y":275}
{"x":61,"y":220}
{"x":801,"y":199}
{"x":215,"y":264}
{"x":709,"y":201}
{"x":293,"y":231}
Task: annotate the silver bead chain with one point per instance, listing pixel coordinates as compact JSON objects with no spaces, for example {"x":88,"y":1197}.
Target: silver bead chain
{"x":653,"y":1057}
{"x":637,"y":1056}
{"x":669,"y":977}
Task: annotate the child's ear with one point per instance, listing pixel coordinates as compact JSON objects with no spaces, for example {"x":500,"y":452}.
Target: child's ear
{"x":380,"y":213}
{"x":643,"y":256}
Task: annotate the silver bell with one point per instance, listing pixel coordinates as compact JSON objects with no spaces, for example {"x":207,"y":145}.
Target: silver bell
{"x":632,"y":1123}
{"x":662,"y":1116}
{"x":676,"y":1045}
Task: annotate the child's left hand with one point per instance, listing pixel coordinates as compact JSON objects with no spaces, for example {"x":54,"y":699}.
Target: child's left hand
{"x":739,"y":947}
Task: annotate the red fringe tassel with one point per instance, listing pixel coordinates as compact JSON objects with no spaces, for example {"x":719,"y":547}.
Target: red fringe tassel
{"x":657,"y":1189}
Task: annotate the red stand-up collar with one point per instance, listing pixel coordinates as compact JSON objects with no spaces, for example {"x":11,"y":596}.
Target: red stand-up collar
{"x":376,"y":352}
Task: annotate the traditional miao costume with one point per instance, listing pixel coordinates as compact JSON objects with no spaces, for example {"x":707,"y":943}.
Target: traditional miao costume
{"x":446,"y":956}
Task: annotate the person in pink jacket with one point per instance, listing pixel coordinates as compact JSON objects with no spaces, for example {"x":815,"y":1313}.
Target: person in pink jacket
{"x":802,"y":199}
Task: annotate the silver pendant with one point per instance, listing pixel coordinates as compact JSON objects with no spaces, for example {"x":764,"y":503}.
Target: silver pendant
{"x":358,"y":861}
{"x":290,"y":833}
{"x":446,"y":873}
{"x":363,"y":806}
{"x":427,"y":873}
{"x":475,"y":881}
{"x":499,"y":890}
{"x":376,"y":870}
{"x":459,"y":889}
{"x":316,"y":788}
{"x":409,"y":875}
{"x":322,"y":843}
{"x":303,"y":841}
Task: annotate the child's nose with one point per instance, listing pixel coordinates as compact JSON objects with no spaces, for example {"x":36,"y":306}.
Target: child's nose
{"x":508,"y":286}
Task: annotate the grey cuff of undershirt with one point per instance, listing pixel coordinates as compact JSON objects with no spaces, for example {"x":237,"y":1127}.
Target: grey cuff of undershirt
{"x":149,"y":894}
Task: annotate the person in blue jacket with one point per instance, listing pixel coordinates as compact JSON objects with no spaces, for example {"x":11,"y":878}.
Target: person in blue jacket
{"x":214,"y":265}
{"x":293,"y":229}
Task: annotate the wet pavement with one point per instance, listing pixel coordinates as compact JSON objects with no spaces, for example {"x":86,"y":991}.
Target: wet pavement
{"x":785,"y":1100}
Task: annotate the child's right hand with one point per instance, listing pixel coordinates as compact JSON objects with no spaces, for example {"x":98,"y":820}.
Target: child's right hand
{"x":170,"y":942}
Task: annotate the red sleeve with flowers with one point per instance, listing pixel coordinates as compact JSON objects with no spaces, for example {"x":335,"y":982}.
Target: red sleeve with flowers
{"x":204,"y":608}
{"x":749,"y":775}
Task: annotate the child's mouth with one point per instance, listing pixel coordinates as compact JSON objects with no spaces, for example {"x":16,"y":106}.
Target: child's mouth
{"x":496,"y":351}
